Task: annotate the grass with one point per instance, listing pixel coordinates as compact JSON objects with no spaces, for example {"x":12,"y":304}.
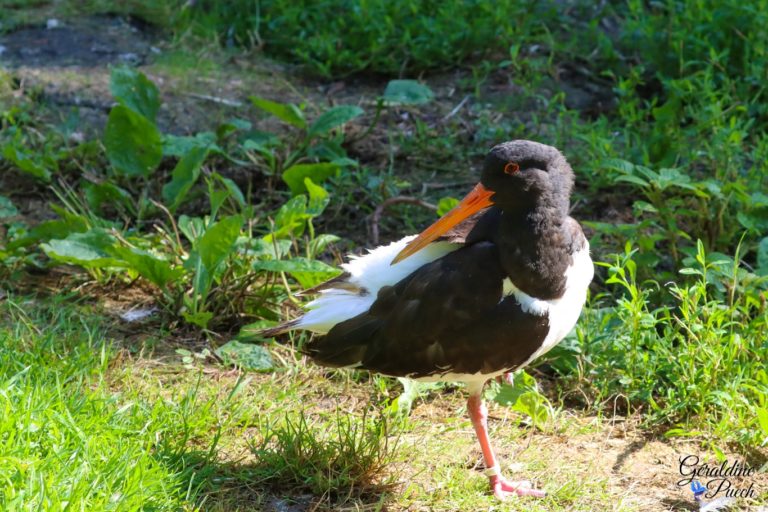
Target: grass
{"x":659,"y":108}
{"x":340,"y":456}
{"x":67,"y":441}
{"x":88,"y":426}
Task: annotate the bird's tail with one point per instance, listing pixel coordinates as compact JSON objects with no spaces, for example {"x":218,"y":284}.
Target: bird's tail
{"x":271,"y":332}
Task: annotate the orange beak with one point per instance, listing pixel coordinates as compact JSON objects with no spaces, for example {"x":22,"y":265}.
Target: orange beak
{"x":479,"y":198}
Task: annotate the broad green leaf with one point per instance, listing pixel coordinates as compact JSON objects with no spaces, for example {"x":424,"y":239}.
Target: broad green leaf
{"x":158,"y":271}
{"x":673,"y":178}
{"x":286,"y":112}
{"x":318,"y":198}
{"x":682,"y":432}
{"x":59,"y":228}
{"x":320,"y":242}
{"x":445,"y":205}
{"x":232,"y":189}
{"x":407,"y":92}
{"x":534,"y":405}
{"x":25,"y":162}
{"x":753,"y":221}
{"x":134,"y":90}
{"x":272,"y":249}
{"x":633,"y":179}
{"x":132,"y":143}
{"x":307,"y":272}
{"x":228,"y":127}
{"x":201,"y":281}
{"x":619,"y":165}
{"x":260,"y":141}
{"x":99,"y":194}
{"x":762,"y":419}
{"x":199,"y":318}
{"x":644,"y":206}
{"x":92,"y":249}
{"x":6,"y":208}
{"x":191,"y":227}
{"x":524,"y":397}
{"x":291,"y":218}
{"x":758,"y":200}
{"x":331,"y":150}
{"x":334,"y":118}
{"x":187,"y":357}
{"x":218,"y":241}
{"x":412,"y":389}
{"x":762,"y":257}
{"x":669,"y":111}
{"x":296,"y":265}
{"x":216,"y":198}
{"x":177,"y":146}
{"x":245,"y":355}
{"x":295,"y":174}
{"x":645,"y":171}
{"x":183,"y":177}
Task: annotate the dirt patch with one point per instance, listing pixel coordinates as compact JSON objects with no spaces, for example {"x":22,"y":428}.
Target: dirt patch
{"x":613,"y":460}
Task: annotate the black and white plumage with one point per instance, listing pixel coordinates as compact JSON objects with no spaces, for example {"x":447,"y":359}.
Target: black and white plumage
{"x":495,"y":283}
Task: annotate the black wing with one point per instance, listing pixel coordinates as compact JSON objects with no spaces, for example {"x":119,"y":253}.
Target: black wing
{"x":447,"y":316}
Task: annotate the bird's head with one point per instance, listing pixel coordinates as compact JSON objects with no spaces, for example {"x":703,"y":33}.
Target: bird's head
{"x":518,"y":176}
{"x":523,"y":175}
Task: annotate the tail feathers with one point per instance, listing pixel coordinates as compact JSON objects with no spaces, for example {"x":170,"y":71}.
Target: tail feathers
{"x":346,"y":345}
{"x":279,"y":329}
{"x":340,"y":282}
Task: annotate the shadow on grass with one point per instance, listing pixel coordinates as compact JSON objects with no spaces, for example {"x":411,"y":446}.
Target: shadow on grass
{"x":341,"y":462}
{"x":676,"y":504}
{"x":260,"y":486}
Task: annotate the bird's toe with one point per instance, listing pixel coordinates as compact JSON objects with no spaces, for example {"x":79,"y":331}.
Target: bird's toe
{"x":502,"y":488}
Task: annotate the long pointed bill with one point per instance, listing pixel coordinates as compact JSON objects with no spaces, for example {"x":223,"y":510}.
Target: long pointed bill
{"x":479,"y":198}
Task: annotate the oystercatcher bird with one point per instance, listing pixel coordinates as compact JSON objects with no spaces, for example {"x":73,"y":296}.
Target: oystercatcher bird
{"x":492,"y":285}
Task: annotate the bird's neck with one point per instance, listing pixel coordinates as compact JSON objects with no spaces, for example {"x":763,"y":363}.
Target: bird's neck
{"x":533,"y":251}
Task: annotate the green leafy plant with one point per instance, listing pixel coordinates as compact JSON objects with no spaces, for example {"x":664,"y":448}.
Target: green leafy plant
{"x":205,"y":268}
{"x":523,"y":396}
{"x":312,"y":141}
{"x":13,"y":255}
{"x":693,"y":364}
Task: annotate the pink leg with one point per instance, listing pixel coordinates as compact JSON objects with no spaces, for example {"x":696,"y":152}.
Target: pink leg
{"x":501,"y":486}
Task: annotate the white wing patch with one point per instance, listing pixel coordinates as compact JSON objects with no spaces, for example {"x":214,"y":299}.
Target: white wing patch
{"x":371,"y":272}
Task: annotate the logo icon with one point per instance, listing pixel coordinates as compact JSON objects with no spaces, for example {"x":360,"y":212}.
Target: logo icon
{"x":698,"y":490}
{"x":712,"y":506}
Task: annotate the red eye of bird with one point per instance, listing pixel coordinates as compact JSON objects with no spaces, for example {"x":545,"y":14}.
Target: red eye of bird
{"x":511,"y":168}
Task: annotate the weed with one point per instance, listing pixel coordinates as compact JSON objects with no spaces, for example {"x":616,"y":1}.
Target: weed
{"x":343,"y":454}
{"x":695,"y":363}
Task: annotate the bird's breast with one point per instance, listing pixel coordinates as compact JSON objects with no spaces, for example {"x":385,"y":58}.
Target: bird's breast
{"x":562,"y":312}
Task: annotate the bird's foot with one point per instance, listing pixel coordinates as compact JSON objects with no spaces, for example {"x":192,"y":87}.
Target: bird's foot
{"x":506,"y":378}
{"x":503,"y":488}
